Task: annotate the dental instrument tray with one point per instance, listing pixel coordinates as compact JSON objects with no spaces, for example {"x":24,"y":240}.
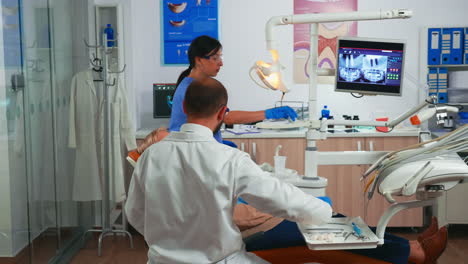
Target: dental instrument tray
{"x":339,"y":233}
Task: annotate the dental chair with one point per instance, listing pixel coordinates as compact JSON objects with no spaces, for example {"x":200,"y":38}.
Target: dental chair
{"x":290,"y":255}
{"x":427,"y":169}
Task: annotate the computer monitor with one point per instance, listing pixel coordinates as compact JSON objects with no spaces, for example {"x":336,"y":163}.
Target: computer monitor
{"x":162,"y":98}
{"x":370,"y":66}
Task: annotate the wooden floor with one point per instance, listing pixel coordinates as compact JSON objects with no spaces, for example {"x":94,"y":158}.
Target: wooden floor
{"x":457,"y":247}
{"x":117,"y":251}
{"x":114,"y":251}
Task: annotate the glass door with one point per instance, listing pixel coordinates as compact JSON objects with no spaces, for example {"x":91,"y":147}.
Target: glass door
{"x":42,"y":49}
{"x":40,"y":138}
{"x":14,"y":220}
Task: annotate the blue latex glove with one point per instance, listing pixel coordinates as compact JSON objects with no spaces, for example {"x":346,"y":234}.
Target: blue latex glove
{"x":325,"y":199}
{"x":281,"y":112}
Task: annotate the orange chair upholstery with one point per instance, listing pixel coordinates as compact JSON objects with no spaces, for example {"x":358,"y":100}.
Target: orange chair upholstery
{"x":302,"y":254}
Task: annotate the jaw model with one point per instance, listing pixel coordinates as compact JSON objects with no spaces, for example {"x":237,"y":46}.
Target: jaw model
{"x":177,"y":8}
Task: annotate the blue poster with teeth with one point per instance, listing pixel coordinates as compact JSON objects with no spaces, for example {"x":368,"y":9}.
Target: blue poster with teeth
{"x":182,"y":21}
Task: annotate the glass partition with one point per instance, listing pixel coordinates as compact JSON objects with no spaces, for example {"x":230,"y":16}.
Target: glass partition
{"x":42,"y":49}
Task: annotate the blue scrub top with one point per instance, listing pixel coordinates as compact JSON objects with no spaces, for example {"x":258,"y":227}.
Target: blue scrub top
{"x":178,"y":117}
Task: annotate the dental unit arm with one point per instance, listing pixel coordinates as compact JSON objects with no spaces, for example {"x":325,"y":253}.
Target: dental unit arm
{"x":270,"y":73}
{"x":316,"y":128}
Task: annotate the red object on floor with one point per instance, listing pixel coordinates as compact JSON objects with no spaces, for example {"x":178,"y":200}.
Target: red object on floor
{"x":302,"y":254}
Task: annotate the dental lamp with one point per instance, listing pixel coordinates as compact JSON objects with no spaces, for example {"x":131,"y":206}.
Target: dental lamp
{"x":269,"y":74}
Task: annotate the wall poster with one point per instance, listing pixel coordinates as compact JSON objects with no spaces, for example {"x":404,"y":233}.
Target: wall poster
{"x":182,"y":21}
{"x":328,"y":33}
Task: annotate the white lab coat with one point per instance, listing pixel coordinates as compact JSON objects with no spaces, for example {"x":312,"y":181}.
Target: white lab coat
{"x":86,"y":134}
{"x":183,"y":192}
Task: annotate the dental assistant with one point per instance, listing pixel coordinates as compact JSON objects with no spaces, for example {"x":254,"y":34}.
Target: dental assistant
{"x":205,"y":58}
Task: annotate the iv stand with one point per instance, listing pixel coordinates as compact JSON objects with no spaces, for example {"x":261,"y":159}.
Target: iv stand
{"x":106,"y":226}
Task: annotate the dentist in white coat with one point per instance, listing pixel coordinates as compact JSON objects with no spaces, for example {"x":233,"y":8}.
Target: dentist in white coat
{"x":184,"y":189}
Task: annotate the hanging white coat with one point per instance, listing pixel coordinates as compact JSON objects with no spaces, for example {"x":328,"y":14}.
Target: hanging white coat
{"x":86,"y":135}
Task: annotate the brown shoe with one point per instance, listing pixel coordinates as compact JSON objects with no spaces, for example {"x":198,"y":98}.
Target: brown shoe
{"x":432,"y":229}
{"x":435,"y":245}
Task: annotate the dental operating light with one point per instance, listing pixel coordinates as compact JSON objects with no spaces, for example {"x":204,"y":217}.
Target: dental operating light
{"x":269,"y":74}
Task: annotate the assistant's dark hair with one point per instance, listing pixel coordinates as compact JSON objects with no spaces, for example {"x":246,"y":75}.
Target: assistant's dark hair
{"x":205,"y":98}
{"x":200,"y":47}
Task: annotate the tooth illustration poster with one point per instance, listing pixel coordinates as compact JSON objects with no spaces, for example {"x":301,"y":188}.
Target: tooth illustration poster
{"x":328,"y":34}
{"x":182,"y":21}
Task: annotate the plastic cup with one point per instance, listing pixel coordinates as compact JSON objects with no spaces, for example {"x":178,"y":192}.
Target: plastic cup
{"x":280,"y":165}
{"x":381,"y":129}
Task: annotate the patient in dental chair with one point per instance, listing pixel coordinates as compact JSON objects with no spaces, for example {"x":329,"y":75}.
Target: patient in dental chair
{"x":264,"y":233}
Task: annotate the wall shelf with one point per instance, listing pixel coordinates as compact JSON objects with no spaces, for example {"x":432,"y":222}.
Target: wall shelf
{"x":447,"y":209}
{"x":451,"y":67}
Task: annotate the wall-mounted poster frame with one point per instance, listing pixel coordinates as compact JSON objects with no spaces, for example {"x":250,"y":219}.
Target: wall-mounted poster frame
{"x":328,"y":34}
{"x":182,"y":21}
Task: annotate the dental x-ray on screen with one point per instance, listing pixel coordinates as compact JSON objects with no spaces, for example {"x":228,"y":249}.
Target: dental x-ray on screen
{"x":370,"y":66}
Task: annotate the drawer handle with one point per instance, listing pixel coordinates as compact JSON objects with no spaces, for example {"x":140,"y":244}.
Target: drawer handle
{"x":359,"y":148}
{"x":243,"y":146}
{"x":371,"y":145}
{"x":254,"y":152}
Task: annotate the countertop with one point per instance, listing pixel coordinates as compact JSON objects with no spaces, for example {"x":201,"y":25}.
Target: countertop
{"x":300,"y":133}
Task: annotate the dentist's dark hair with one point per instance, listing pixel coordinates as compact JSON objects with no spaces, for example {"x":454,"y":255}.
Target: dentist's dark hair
{"x":200,"y":47}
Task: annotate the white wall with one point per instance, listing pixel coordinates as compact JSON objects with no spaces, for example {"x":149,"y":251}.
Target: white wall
{"x":242,"y":25}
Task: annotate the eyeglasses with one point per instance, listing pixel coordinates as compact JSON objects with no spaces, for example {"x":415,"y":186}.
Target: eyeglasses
{"x":215,"y":57}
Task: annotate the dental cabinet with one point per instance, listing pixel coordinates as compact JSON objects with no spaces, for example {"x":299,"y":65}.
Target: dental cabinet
{"x":344,"y":185}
